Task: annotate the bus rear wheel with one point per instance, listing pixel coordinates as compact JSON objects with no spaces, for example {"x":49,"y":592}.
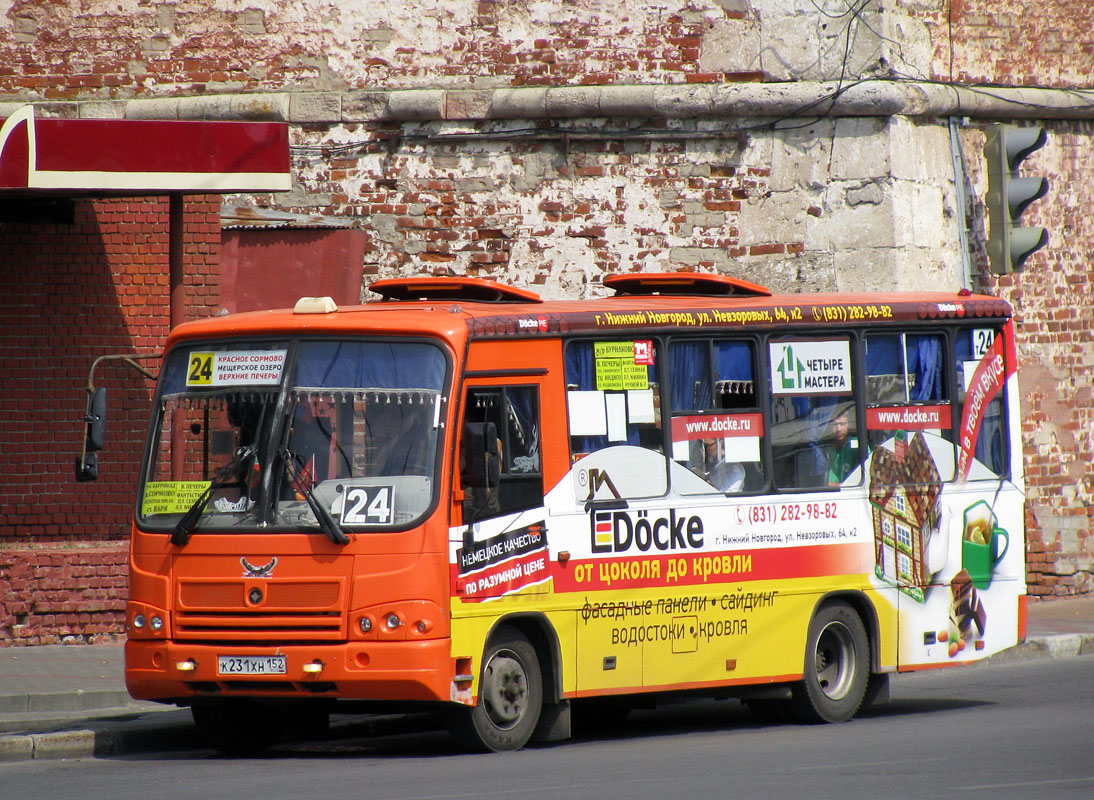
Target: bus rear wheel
{"x":837,"y":667}
{"x":510,"y":696}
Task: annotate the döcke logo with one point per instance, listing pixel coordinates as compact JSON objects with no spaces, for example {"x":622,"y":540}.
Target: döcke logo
{"x":618,"y":531}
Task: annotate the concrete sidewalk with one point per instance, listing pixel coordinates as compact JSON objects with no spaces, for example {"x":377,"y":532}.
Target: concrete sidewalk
{"x":61,"y":701}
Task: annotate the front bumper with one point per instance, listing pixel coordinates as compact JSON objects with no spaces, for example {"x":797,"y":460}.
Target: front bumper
{"x":407,"y":671}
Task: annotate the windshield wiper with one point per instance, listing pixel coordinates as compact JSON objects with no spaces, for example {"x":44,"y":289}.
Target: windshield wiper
{"x":327,"y":522}
{"x":185,"y":527}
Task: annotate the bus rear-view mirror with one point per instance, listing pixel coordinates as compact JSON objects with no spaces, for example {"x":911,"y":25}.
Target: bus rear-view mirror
{"x":87,"y":467}
{"x":96,"y":420}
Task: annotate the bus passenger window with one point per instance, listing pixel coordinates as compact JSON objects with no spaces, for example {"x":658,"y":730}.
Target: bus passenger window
{"x":717,"y":427}
{"x":906,"y":392}
{"x":813,"y":414}
{"x":613,"y":406}
{"x":614,"y":397}
{"x":514,"y":412}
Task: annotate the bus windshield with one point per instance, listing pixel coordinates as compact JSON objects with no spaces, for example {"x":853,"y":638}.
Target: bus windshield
{"x":251,"y":434}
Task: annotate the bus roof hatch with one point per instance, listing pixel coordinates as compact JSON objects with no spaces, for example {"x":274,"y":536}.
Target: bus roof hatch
{"x":683,"y":283}
{"x":478,"y":290}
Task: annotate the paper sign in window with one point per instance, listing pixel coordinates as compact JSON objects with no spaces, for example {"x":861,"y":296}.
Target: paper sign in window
{"x":640,"y":409}
{"x":587,"y":414}
{"x":620,"y":366}
{"x":741,"y":449}
{"x":617,"y":417}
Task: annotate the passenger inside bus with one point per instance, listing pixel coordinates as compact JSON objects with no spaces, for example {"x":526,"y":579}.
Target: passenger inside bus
{"x":727,"y":476}
{"x":311,"y":439}
{"x":841,"y":452}
{"x":816,"y":442}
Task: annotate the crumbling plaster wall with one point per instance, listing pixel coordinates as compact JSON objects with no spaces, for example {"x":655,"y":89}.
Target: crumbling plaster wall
{"x":827,"y":192}
{"x":843,"y":204}
{"x":129,"y":48}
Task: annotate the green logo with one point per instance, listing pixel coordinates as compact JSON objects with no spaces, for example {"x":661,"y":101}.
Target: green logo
{"x":790,"y":369}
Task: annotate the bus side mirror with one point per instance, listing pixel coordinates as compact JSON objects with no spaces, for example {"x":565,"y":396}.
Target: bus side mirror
{"x":87,"y":467}
{"x":481,"y":466}
{"x":87,"y":463}
{"x":96,"y":420}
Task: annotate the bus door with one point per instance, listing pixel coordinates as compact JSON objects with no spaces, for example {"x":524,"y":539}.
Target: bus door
{"x":821,"y":514}
{"x":501,"y":536}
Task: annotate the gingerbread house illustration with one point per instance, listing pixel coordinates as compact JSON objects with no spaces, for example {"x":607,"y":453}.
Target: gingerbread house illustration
{"x":905,"y":503}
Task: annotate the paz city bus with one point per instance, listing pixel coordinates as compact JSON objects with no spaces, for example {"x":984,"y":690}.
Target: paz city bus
{"x":463,"y":496}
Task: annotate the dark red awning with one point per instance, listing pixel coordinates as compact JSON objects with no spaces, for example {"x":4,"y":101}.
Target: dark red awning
{"x":142,"y":156}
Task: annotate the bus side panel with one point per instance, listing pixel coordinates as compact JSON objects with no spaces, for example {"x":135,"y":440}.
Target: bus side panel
{"x":969,"y":610}
{"x":686,"y":591}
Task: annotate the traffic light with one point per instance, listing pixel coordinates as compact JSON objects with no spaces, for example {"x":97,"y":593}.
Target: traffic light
{"x":1009,"y":244}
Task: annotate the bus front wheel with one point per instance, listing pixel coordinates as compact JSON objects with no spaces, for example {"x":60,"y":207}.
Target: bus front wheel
{"x":837,"y":667}
{"x":510,"y":696}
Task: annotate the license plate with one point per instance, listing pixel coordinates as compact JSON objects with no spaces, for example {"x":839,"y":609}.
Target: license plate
{"x":251,"y":665}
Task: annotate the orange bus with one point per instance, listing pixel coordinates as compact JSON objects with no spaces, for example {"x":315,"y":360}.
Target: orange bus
{"x":463,"y":496}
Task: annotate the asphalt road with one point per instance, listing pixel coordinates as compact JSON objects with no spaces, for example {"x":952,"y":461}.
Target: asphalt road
{"x":1009,"y":730}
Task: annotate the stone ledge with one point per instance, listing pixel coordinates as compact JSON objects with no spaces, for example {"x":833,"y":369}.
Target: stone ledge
{"x":805,"y":99}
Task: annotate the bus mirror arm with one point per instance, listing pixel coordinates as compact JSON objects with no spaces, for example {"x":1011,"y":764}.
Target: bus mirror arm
{"x":87,"y":463}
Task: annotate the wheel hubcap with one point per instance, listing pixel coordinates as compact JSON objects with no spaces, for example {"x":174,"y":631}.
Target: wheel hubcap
{"x":835,"y":660}
{"x":505,"y":689}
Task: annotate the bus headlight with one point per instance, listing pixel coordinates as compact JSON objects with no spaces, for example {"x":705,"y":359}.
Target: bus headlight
{"x":146,"y":622}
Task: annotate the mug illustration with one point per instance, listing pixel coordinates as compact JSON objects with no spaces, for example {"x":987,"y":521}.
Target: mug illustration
{"x":983,"y":544}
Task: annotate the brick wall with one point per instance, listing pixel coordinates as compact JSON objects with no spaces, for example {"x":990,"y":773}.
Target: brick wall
{"x":73,"y":293}
{"x":1010,"y":43}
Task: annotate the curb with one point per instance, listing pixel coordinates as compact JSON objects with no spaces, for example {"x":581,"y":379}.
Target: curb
{"x":1060,"y":645}
{"x":78,"y":700}
{"x":106,"y":738}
